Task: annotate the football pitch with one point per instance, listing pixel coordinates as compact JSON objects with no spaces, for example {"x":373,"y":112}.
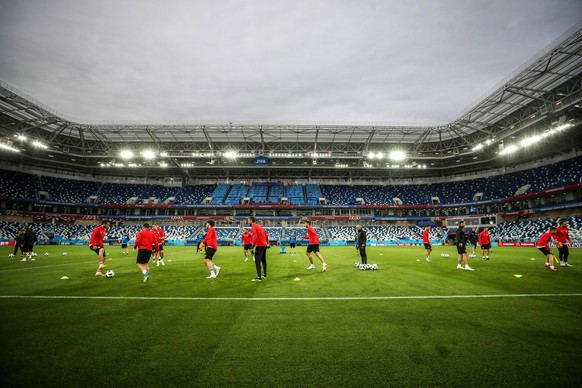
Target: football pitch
{"x":410,"y":323}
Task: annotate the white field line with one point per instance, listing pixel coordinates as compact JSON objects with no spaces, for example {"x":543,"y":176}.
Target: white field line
{"x":186,"y":298}
{"x":48,"y":266}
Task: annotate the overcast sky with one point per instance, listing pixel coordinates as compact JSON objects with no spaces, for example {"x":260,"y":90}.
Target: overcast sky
{"x":271,"y":61}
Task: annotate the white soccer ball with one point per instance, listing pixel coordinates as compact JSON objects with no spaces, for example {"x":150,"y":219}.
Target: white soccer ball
{"x":374,"y":267}
{"x":11,"y":255}
{"x":363,"y":267}
{"x":46,"y":253}
{"x":34,"y":254}
{"x":357,"y":264}
{"x":64,"y":253}
{"x":110,"y":273}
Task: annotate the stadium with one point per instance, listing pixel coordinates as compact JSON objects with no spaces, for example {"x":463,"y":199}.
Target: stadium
{"x":510,"y":162}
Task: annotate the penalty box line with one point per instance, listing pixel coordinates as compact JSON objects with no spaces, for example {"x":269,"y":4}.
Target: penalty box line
{"x":347,"y":298}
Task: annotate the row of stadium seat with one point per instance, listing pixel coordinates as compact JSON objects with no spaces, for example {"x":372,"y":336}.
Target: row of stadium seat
{"x":528,"y":230}
{"x":21,"y":185}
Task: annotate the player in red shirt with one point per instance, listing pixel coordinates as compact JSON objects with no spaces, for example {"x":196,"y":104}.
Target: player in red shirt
{"x":246,"y":238}
{"x":485,"y":243}
{"x":313,"y":246}
{"x":146,"y":242}
{"x":96,"y":244}
{"x":211,"y":244}
{"x":562,"y":240}
{"x":261,"y":243}
{"x":161,"y":238}
{"x":544,"y":246}
{"x":426,"y":242}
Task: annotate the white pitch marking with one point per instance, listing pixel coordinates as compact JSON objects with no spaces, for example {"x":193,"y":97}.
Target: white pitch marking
{"x":186,"y":298}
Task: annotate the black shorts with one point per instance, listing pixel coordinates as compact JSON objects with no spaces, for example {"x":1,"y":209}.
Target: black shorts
{"x":545,"y":251}
{"x":461,"y":250}
{"x":248,"y":247}
{"x":313,"y":248}
{"x":209,"y":253}
{"x":159,"y":246}
{"x":427,"y":246}
{"x":486,"y":246}
{"x":96,"y":248}
{"x":143,"y":256}
{"x":292,"y":245}
{"x":124,"y":246}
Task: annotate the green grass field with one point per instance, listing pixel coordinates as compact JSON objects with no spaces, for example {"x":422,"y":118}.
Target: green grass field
{"x":398,"y":326}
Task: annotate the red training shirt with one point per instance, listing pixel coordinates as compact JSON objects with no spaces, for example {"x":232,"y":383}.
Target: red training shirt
{"x":146,"y":239}
{"x":562,"y":234}
{"x":260,"y":238}
{"x":98,"y":236}
{"x":312,"y":236}
{"x":425,"y":238}
{"x":246,"y":238}
{"x":160,"y":235}
{"x":484,"y":238}
{"x":210,"y":239}
{"x":544,"y":240}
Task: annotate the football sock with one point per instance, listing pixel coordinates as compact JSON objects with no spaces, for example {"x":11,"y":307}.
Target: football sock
{"x":144,"y":271}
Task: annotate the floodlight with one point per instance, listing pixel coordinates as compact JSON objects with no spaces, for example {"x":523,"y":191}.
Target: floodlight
{"x":21,"y":137}
{"x":508,"y":150}
{"x":397,"y":155}
{"x":478,"y":147}
{"x":38,"y":144}
{"x":164,"y":154}
{"x":530,"y":140}
{"x":379,"y":155}
{"x":8,"y":148}
{"x":230,"y":154}
{"x":126,"y":154}
{"x":148,"y":154}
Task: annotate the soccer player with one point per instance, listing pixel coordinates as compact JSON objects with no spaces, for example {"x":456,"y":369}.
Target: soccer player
{"x":461,"y":243}
{"x":211,"y":244}
{"x":361,"y":244}
{"x":543,"y":245}
{"x":261,"y":243}
{"x":199,"y":240}
{"x":292,"y":243}
{"x":159,"y":256}
{"x":313,"y":246}
{"x":562,"y":240}
{"x":19,"y":243}
{"x":246,"y":238}
{"x":485,"y":243}
{"x":124,"y":242}
{"x":146,"y":242}
{"x":96,"y":245}
{"x":473,"y":240}
{"x":426,"y":242}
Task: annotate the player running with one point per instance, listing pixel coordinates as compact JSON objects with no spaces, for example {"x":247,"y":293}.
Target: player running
{"x":246,"y":238}
{"x":96,"y":244}
{"x":146,"y":242}
{"x":313,"y":246}
{"x":211,"y":244}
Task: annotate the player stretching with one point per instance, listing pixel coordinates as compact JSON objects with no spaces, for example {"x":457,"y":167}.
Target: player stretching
{"x":313,"y":246}
{"x":461,"y":242}
{"x":146,"y":242}
{"x":211,"y":245}
{"x":562,"y":239}
{"x":96,"y":245}
{"x":161,"y":236}
{"x":426,"y":242}
{"x":544,"y":246}
{"x":246,"y":237}
{"x":485,"y":242}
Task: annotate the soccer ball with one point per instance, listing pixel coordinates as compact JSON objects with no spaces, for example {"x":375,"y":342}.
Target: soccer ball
{"x":472,"y":256}
{"x":363,"y":267}
{"x":11,"y":255}
{"x":64,"y":253}
{"x":110,"y":273}
{"x":34,"y":254}
{"x":46,"y":253}
{"x":374,"y":267}
{"x":357,"y":264}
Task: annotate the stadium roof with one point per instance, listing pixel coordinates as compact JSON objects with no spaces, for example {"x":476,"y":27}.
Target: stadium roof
{"x":540,"y":102}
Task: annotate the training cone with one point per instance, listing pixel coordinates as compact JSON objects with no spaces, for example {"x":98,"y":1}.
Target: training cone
{"x":532,"y":259}
{"x":65,"y":278}
{"x":517,"y":275}
{"x":417,"y":259}
{"x":296,"y":279}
